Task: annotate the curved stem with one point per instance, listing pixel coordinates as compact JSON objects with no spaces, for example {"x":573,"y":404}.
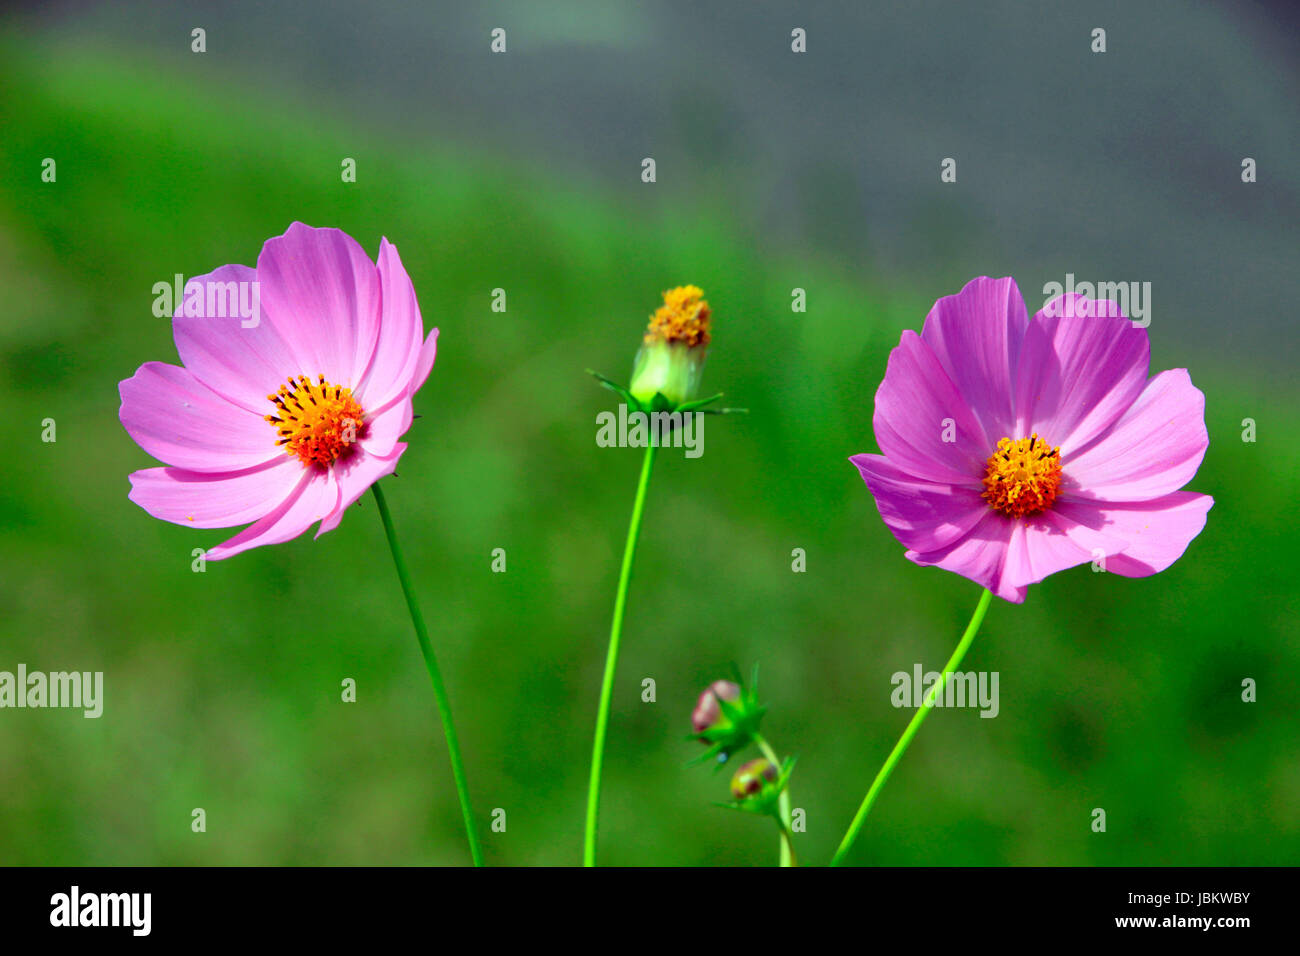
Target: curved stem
{"x":783,"y":804}
{"x":913,"y":726}
{"x":611,"y":661}
{"x":435,"y":676}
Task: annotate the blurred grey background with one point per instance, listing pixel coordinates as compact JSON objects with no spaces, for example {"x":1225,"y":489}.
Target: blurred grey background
{"x":1122,"y":166}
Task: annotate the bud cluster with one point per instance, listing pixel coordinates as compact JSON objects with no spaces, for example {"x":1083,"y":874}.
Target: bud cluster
{"x":726,"y":718}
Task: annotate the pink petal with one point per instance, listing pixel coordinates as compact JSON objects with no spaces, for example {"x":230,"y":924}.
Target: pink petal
{"x":916,"y":405}
{"x":355,"y":476}
{"x":383,"y":430}
{"x":976,"y":336}
{"x":182,"y":422}
{"x":315,"y":497}
{"x":398,"y":351}
{"x":1154,"y":449}
{"x":1156,"y":533}
{"x":1081,"y":366}
{"x":208,"y":500}
{"x":923,"y":516}
{"x":980,"y":556}
{"x":1044,"y":544}
{"x":243,"y":365}
{"x":321,"y":293}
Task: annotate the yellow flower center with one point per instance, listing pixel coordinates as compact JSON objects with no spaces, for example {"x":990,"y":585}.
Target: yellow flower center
{"x":317,"y":422}
{"x":1022,"y":476}
{"x":684,"y":317}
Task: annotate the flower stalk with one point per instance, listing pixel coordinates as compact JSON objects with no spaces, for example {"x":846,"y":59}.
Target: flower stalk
{"x":435,"y":676}
{"x":913,"y":726}
{"x":611,"y":660}
{"x":787,"y":857}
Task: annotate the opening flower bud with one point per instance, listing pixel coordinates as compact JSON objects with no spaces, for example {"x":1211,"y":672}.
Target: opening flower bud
{"x":707,"y":713}
{"x":749,"y":779}
{"x":671,"y":359}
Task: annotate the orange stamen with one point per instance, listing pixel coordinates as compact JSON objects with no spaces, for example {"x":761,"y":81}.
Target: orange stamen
{"x":1022,"y":477}
{"x":317,"y":422}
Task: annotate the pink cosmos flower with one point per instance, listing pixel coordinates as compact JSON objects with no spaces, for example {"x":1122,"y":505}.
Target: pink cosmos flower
{"x":1014,"y":449}
{"x":296,"y":385}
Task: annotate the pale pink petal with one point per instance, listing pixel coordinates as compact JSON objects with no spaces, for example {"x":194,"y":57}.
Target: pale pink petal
{"x":241,"y":364}
{"x":321,"y":292}
{"x":1154,"y":449}
{"x":923,"y":516}
{"x":980,"y":555}
{"x":355,"y":476}
{"x":1081,"y":366}
{"x":397,"y":352}
{"x":383,"y":430}
{"x":976,"y":336}
{"x":1156,"y":532}
{"x":428,"y":352}
{"x":315,"y":497}
{"x":182,"y":422}
{"x":208,"y":500}
{"x":917,"y":409}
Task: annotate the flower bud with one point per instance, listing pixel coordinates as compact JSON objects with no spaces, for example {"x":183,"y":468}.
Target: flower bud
{"x":750,"y":778}
{"x":671,"y":359}
{"x":726,"y":718}
{"x":707,"y":713}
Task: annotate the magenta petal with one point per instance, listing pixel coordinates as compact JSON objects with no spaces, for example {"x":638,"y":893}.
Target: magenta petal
{"x":315,"y":497}
{"x":241,"y":364}
{"x":355,"y":476}
{"x":182,"y":422}
{"x":1081,"y":366}
{"x":976,"y":336}
{"x":321,"y":292}
{"x":923,"y":515}
{"x":208,"y":500}
{"x":397,"y":352}
{"x":917,"y":407}
{"x":1156,"y":533}
{"x":1154,"y":449}
{"x":980,"y":555}
{"x":384,"y":429}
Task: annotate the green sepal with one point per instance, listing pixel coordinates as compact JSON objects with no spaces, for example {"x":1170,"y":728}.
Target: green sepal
{"x":697,"y":403}
{"x":613,"y":386}
{"x":660,"y":402}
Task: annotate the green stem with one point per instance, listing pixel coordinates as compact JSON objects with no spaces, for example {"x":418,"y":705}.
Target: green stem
{"x":611,"y":661}
{"x":783,"y":804}
{"x":435,"y":676}
{"x":912,"y":727}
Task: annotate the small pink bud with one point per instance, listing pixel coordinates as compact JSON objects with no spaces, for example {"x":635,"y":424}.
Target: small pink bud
{"x":707,"y":712}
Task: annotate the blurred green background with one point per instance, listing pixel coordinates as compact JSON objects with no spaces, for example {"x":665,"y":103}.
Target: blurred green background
{"x":223,"y":688}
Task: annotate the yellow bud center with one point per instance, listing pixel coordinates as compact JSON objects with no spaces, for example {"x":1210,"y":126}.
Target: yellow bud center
{"x":1022,"y":477}
{"x":684,"y":317}
{"x":316,"y":422}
